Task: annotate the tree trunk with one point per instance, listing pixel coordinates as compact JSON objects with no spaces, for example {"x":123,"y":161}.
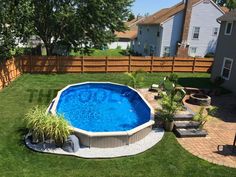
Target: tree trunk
{"x":49,"y":49}
{"x":48,"y":45}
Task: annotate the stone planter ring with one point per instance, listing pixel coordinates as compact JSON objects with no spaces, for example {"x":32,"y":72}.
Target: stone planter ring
{"x":200,"y":99}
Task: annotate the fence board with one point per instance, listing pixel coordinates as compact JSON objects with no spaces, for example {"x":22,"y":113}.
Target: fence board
{"x":9,"y":71}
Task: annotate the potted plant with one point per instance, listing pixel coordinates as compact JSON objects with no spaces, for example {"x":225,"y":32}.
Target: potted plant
{"x":170,"y":106}
{"x":43,"y":126}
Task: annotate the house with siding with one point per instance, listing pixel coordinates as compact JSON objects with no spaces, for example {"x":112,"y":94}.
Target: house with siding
{"x":189,"y":28}
{"x":225,"y":58}
{"x":124,"y":38}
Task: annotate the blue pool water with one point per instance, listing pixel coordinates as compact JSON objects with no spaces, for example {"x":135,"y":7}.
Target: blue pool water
{"x":99,"y":107}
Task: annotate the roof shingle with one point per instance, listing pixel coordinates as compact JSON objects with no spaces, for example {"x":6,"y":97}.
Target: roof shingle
{"x":167,"y":13}
{"x":132,"y":32}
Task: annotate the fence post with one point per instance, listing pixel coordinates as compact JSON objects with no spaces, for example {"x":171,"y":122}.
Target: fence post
{"x":152,"y":63}
{"x":21,"y":65}
{"x":30,"y":63}
{"x":129,"y":63}
{"x":106,"y":69}
{"x":57,"y":62}
{"x":194,"y":64}
{"x":82,"y":64}
{"x":173,"y":64}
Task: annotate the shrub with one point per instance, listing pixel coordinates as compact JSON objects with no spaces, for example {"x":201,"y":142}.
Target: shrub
{"x":204,"y":117}
{"x":28,"y":51}
{"x":46,"y":126}
{"x":135,"y":79}
{"x":168,"y":86}
{"x":210,"y":55}
{"x":118,"y":47}
{"x":173,"y":78}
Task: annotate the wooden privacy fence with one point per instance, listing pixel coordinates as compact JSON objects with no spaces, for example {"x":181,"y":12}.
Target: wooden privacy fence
{"x":113,"y":64}
{"x":9,"y":71}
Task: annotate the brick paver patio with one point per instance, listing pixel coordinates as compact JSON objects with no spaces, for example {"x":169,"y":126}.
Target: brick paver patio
{"x":217,"y":146}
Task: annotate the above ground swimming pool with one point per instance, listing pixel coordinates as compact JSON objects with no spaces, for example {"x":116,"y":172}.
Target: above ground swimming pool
{"x":104,"y":114}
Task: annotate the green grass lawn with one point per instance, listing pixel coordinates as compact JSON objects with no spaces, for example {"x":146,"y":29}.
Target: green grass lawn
{"x":101,"y":53}
{"x":166,"y":159}
{"x":95,"y":52}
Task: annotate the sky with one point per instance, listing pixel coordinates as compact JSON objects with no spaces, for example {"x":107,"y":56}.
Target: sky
{"x":151,"y":6}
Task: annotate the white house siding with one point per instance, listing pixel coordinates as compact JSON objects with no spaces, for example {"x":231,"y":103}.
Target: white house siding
{"x":172,"y":29}
{"x":204,"y":15}
{"x":122,"y":45}
{"x":32,"y":42}
{"x":147,"y":37}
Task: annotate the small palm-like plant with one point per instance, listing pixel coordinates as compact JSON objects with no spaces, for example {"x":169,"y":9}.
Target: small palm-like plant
{"x":171,"y":102}
{"x":46,"y":126}
{"x":202,"y":117}
{"x":169,"y":107}
{"x":134,"y":78}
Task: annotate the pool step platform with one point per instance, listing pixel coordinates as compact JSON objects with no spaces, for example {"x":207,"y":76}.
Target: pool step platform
{"x":184,"y":117}
{"x":190,"y":132}
{"x":185,"y":126}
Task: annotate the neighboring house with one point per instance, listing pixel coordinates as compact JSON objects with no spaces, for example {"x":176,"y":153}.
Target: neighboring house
{"x":124,"y":38}
{"x":187,"y":29}
{"x":34,"y":41}
{"x":225,"y":57}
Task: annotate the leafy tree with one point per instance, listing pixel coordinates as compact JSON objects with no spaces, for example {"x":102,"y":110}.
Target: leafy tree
{"x":231,"y":4}
{"x":7,"y":41}
{"x":14,"y":25}
{"x":131,"y":16}
{"x":79,"y":24}
{"x":220,"y":2}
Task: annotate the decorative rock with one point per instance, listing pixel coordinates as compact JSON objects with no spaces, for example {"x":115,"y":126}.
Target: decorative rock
{"x":71,"y":144}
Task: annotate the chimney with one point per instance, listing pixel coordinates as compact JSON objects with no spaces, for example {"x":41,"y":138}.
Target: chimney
{"x":183,"y":47}
{"x":187,"y":18}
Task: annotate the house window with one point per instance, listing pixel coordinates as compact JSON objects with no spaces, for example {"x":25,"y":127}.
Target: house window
{"x":192,"y":51}
{"x":226,"y":69}
{"x":152,"y":50}
{"x":145,"y":48}
{"x":228,"y":29}
{"x":215,"y":31}
{"x":196,"y":31}
{"x":166,"y":52}
{"x":140,"y":32}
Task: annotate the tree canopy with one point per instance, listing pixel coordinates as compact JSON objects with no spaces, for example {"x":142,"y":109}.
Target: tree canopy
{"x":131,"y":16}
{"x":231,"y":4}
{"x":77,"y":24}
